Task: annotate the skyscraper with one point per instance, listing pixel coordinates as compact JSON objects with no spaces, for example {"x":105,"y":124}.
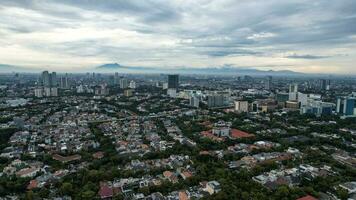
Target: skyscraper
{"x":116,"y":78}
{"x":63,"y":82}
{"x":268,"y":83}
{"x":53,"y":79}
{"x":293,"y":92}
{"x":49,"y":82}
{"x":49,"y":79}
{"x":46,"y":81}
{"x":124,"y":83}
{"x":173,"y":81}
{"x":346,"y":106}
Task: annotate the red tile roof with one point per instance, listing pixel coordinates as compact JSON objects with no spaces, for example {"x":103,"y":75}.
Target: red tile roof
{"x":308,"y":197}
{"x":235,"y":133}
{"x":32,"y":185}
{"x":65,"y":159}
{"x":211,"y":136}
{"x":105,"y":191}
{"x":98,"y":155}
{"x":183,"y":195}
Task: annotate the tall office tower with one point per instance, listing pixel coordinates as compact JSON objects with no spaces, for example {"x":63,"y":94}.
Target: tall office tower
{"x":53,"y":79}
{"x":322,"y":84}
{"x":111,"y":80}
{"x":346,"y":106}
{"x":293,"y":92}
{"x":46,"y":81}
{"x":328,"y":84}
{"x":241,"y":106}
{"x":123,"y":83}
{"x":268,"y":83}
{"x":63,"y":82}
{"x":116,"y":78}
{"x":173,"y":81}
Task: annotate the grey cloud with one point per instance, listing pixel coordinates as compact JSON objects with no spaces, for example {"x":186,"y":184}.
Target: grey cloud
{"x":229,"y":52}
{"x":307,"y":56}
{"x":214,"y":28}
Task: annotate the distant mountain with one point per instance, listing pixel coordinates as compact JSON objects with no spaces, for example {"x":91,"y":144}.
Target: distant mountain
{"x":115,"y":67}
{"x":224,"y":70}
{"x":241,"y":71}
{"x":110,"y":66}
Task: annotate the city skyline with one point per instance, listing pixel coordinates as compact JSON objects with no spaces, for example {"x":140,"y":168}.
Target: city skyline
{"x":301,"y":36}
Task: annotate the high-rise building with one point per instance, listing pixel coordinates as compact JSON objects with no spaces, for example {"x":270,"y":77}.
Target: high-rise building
{"x":116,"y":78}
{"x":47,"y":91}
{"x":268,"y":83}
{"x":49,"y":83}
{"x":64,"y":82}
{"x":123,"y":83}
{"x":194,"y":101}
{"x":216,"y":101}
{"x":54,"y":92}
{"x":328,"y":84}
{"x":46,"y":80}
{"x":282,"y":98}
{"x":241,"y":106}
{"x":304,"y":99}
{"x":317,"y":108}
{"x":173,"y":81}
{"x":346,"y":106}
{"x":39,"y":92}
{"x":322,"y":84}
{"x":49,"y":79}
{"x":53,"y":79}
{"x":293,"y":92}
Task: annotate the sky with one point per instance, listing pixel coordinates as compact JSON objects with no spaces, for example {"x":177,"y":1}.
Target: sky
{"x":316,"y":36}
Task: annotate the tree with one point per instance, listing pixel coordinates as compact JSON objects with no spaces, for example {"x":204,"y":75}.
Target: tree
{"x":66,"y":188}
{"x":29,"y":195}
{"x":43,"y":193}
{"x":342,"y":193}
{"x":282,"y":192}
{"x":88,"y":194}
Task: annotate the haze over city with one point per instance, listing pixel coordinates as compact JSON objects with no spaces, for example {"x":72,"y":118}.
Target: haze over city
{"x":299,"y":35}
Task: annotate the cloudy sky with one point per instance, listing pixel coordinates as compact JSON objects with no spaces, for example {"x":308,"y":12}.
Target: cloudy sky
{"x":301,"y":35}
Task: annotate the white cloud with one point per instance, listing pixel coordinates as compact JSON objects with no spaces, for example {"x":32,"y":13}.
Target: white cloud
{"x":259,"y":36}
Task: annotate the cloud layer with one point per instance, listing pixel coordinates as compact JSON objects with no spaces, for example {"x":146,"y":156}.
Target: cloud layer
{"x":300,"y":35}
